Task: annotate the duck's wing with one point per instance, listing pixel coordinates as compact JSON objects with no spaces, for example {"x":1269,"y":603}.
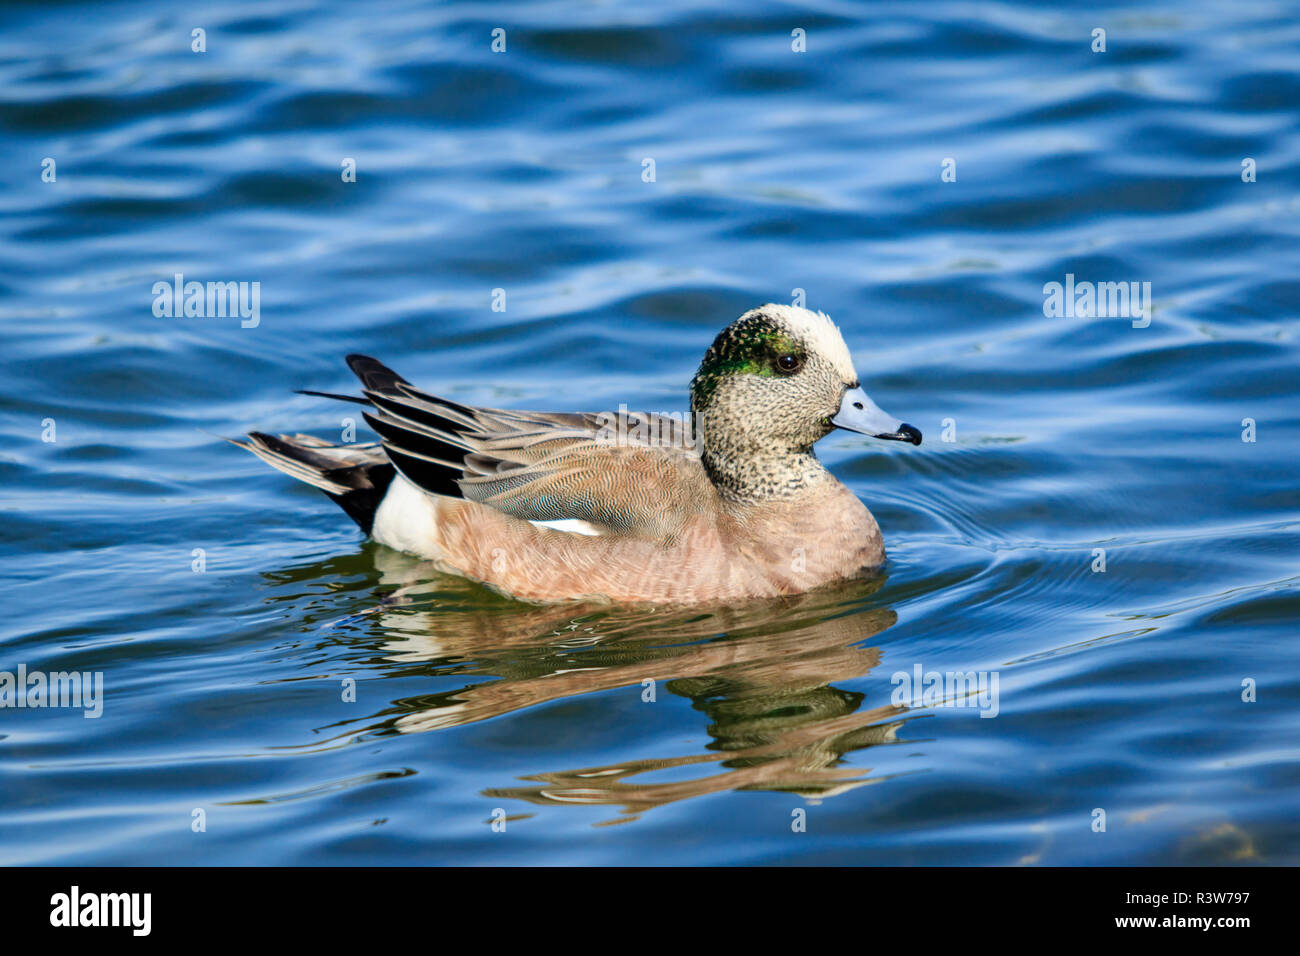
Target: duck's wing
{"x":632,"y":474}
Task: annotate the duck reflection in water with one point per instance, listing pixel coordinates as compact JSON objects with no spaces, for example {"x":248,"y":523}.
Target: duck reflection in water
{"x":764,"y":674}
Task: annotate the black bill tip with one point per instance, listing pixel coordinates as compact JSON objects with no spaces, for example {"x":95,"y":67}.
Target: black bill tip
{"x":908,"y":433}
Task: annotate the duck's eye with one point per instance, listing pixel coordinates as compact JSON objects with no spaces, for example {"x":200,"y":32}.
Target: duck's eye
{"x":789,"y":363}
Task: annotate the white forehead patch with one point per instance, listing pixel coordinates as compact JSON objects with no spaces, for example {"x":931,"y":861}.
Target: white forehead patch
{"x":818,"y":332}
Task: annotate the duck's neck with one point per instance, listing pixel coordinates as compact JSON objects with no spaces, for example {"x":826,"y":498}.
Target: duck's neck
{"x":745,"y":476}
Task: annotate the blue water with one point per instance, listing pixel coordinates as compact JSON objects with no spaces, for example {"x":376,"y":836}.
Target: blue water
{"x":225,"y":735}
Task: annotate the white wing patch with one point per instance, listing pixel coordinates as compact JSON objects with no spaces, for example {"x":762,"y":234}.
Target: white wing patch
{"x":571,"y":525}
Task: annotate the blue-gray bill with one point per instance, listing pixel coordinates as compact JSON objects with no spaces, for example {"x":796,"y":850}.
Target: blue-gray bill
{"x":858,"y":413}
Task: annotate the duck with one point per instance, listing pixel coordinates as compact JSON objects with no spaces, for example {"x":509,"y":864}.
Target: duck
{"x":726,"y":504}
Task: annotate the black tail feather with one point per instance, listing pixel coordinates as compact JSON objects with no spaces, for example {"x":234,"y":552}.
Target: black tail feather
{"x":356,"y":399}
{"x":360,"y":504}
{"x":403,"y":420}
{"x":432,"y":476}
{"x":357,"y":482}
{"x":374,"y":374}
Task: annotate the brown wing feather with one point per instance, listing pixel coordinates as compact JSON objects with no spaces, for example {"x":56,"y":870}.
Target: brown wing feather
{"x":642,"y":479}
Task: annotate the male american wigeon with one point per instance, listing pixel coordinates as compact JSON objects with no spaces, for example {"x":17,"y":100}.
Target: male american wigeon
{"x":730,"y":503}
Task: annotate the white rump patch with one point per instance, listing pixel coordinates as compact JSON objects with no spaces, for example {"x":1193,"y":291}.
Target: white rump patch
{"x":406,"y":521}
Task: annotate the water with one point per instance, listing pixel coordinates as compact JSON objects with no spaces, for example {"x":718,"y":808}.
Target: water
{"x":1119,"y":690}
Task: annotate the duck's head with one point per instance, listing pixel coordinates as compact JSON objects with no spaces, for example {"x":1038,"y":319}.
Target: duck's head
{"x":777,"y":380}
